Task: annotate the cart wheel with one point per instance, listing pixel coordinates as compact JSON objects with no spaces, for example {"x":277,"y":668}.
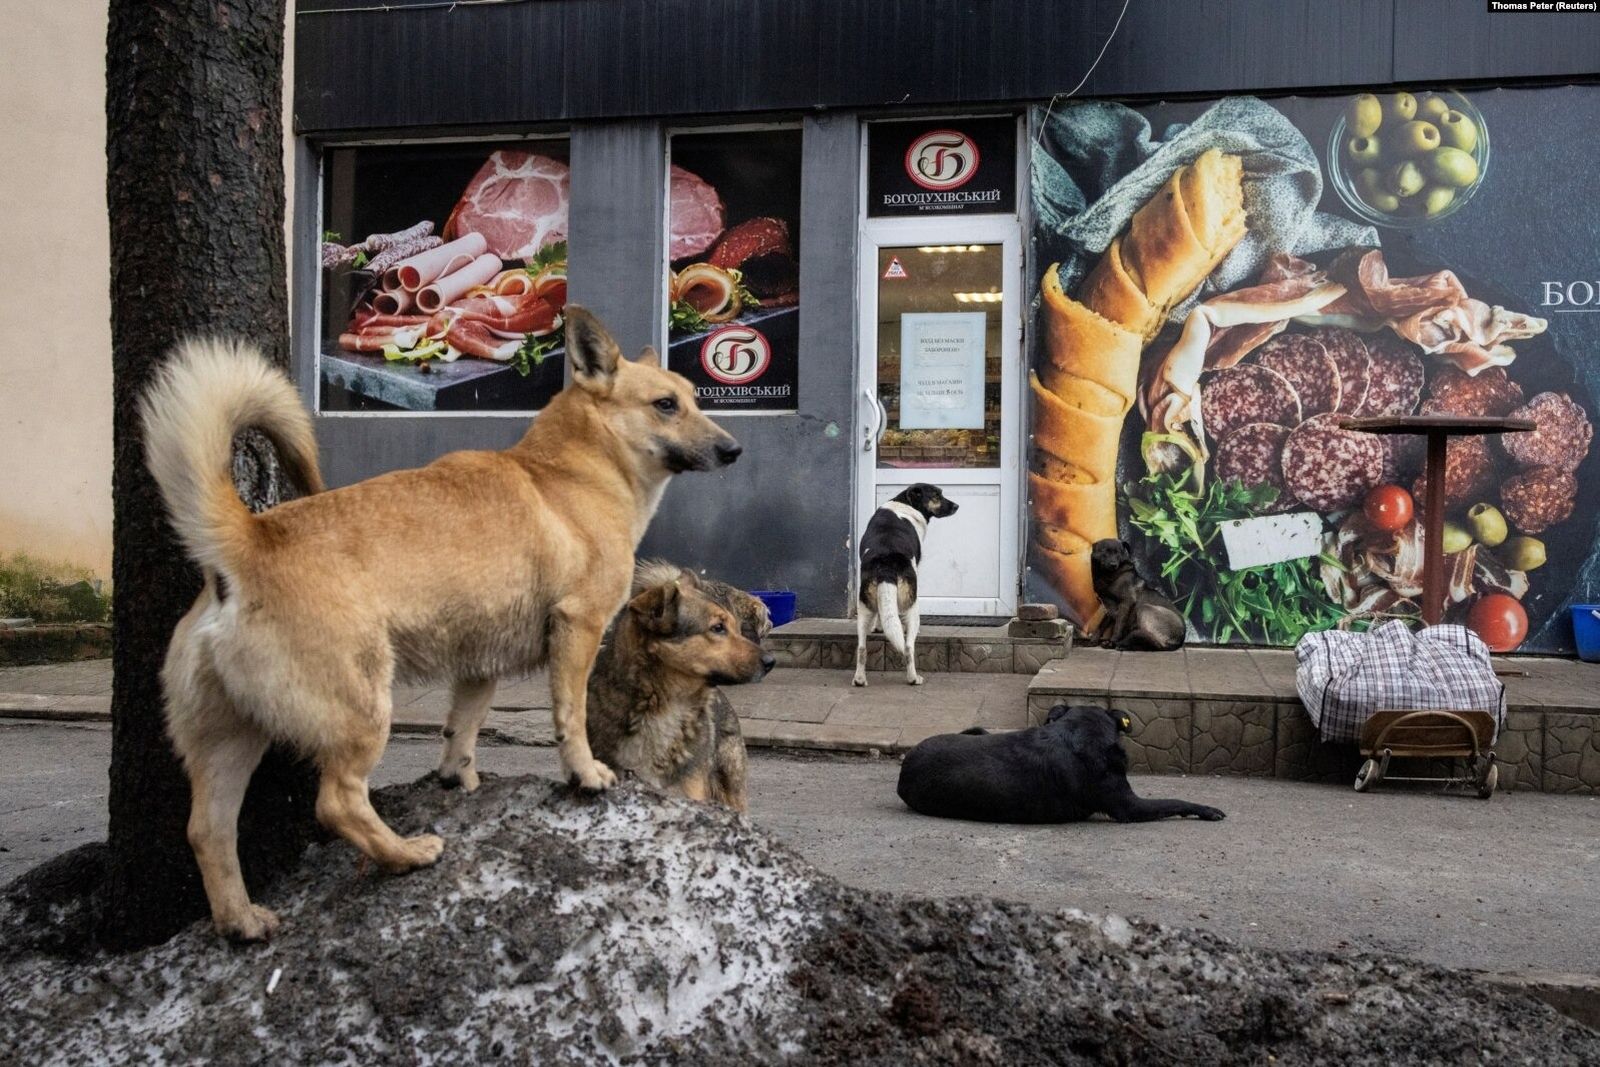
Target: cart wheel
{"x":1491,"y":778}
{"x":1367,"y":776}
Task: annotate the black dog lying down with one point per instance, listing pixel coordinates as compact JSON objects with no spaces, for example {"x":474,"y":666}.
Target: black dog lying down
{"x":1063,"y":771}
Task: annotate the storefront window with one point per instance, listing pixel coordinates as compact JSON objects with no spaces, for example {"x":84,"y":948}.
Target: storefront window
{"x":939,"y":359}
{"x":444,"y":270}
{"x":733,"y":273}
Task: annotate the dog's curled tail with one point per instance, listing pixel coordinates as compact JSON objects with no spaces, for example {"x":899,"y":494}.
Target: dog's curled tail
{"x":208,"y":391}
{"x":889,"y":616}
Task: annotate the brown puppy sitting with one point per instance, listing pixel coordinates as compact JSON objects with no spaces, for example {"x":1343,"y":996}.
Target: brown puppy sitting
{"x":654,"y":705}
{"x":1137,"y":618}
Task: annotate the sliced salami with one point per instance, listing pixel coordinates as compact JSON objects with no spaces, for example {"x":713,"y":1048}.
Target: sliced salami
{"x":1329,"y":468}
{"x":1396,"y":377}
{"x":1241,"y":395}
{"x":1561,"y":438}
{"x":1309,"y":368}
{"x":1253,"y":455}
{"x":1350,"y":355}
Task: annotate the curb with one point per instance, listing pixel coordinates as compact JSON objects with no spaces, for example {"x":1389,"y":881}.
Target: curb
{"x":1577,"y":996}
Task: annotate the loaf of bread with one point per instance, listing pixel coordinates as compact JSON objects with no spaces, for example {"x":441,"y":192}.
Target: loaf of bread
{"x":1089,"y":376}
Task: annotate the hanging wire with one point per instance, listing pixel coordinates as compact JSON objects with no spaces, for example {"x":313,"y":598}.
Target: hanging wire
{"x":1039,"y":137}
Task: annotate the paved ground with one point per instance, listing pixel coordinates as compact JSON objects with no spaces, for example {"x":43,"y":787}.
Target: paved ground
{"x":1506,"y":885}
{"x":795,"y":708}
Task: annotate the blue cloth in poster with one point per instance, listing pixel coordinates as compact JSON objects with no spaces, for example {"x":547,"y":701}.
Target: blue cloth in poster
{"x":1096,"y":163}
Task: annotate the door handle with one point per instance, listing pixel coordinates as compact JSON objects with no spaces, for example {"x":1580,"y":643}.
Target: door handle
{"x":869,"y":437}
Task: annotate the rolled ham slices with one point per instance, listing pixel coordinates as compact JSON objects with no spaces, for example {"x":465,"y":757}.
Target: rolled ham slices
{"x":446,"y":289}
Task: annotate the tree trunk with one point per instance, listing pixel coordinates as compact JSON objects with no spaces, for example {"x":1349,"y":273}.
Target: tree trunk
{"x":195,"y":191}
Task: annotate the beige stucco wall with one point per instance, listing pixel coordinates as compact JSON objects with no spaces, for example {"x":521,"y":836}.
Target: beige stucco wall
{"x":55,"y":360}
{"x":55,"y":363}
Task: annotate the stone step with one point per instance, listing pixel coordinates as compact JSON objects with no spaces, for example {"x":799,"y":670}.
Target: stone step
{"x":830,"y":644}
{"x":1235,"y":711}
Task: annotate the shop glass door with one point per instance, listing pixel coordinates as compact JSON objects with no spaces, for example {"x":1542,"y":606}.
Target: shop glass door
{"x":939,"y":399}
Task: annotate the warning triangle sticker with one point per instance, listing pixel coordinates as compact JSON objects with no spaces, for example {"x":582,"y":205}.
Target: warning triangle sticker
{"x":896,"y":268}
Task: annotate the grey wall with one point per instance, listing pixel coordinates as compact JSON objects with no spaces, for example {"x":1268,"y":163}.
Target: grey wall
{"x":780,"y":517}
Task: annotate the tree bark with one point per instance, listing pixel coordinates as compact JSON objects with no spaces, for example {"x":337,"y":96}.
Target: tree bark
{"x":195,"y":190}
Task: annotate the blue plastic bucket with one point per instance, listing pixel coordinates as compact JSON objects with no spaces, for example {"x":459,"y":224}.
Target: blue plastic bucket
{"x":1586,"y":631}
{"x":780,"y":604}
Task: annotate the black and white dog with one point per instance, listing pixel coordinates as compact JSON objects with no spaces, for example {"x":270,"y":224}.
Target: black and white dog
{"x":891,"y":549}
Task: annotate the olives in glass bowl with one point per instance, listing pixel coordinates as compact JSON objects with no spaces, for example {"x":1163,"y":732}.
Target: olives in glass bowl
{"x":1407,"y":159}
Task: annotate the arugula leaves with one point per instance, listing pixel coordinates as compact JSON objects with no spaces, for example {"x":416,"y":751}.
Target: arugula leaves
{"x":533,"y":351}
{"x":1272,"y":604}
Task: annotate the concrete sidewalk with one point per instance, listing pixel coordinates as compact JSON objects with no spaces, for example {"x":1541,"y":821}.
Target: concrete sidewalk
{"x":791,"y":708}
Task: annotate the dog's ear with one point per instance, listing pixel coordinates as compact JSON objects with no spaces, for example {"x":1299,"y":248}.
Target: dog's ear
{"x":657,"y":608}
{"x":688,"y":578}
{"x":1057,"y":712}
{"x":649,"y":357}
{"x":1127,"y":548}
{"x":591,"y":351}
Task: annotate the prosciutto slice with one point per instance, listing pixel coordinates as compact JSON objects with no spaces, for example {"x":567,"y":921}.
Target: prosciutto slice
{"x":510,"y":316}
{"x":473,"y":338}
{"x":374,"y":338}
{"x":1434,"y":312}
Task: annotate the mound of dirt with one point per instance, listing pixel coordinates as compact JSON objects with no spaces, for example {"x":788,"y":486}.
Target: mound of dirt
{"x":558,"y":929}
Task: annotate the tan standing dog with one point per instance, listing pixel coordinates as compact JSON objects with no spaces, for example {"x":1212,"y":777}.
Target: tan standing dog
{"x":479,"y":565}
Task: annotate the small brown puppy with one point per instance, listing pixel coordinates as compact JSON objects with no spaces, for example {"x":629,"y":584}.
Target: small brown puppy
{"x":654,"y":705}
{"x":1137,"y":618}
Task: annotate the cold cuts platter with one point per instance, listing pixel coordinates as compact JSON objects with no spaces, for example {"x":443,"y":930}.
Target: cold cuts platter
{"x":1268,"y":451}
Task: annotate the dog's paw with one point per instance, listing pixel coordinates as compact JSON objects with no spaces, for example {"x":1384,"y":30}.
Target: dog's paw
{"x":860,"y":681}
{"x":915,"y":679}
{"x":255,"y":923}
{"x":1206,"y":814}
{"x":594,"y":778}
{"x":419,"y":851}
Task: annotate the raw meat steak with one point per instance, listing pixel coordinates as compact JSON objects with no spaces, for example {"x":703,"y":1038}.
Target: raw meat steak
{"x":517,"y":201}
{"x":696,"y":214}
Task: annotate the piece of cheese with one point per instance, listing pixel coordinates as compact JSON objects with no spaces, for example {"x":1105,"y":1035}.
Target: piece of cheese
{"x":1271,"y":539}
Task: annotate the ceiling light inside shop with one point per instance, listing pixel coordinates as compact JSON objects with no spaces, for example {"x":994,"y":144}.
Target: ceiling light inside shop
{"x":950,"y":248}
{"x":990,"y":297}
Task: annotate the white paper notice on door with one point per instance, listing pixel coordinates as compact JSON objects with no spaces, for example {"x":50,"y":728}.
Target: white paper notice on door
{"x":941,"y":370}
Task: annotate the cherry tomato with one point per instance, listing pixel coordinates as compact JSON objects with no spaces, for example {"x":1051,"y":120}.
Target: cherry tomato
{"x":1500,"y":620}
{"x":1389,"y":507}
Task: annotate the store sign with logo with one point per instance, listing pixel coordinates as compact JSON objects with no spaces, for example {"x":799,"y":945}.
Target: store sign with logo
{"x":733,"y":268}
{"x":942,"y":167}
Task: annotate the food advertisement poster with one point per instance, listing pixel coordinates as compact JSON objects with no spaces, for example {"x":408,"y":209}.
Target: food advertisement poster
{"x":942,"y":370}
{"x":1223,"y":284}
{"x":946,"y":167}
{"x":733,"y":272}
{"x":444,"y":271}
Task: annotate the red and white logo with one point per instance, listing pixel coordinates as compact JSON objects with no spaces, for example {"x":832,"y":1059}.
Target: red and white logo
{"x":736,"y":355}
{"x":942,"y":159}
